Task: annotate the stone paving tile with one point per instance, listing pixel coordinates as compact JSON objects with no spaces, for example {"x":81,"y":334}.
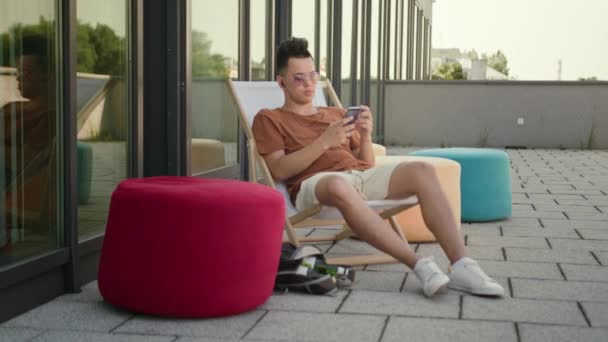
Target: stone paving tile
{"x":553,"y":188}
{"x":539,"y":214}
{"x":89,"y":293}
{"x":431,"y":330}
{"x":582,"y":202}
{"x":597,"y":313}
{"x":562,"y":232}
{"x":485,"y":252}
{"x":379,"y":281}
{"x":531,"y":190}
{"x":521,"y":269}
{"x":567,"y":208}
{"x":556,"y":196}
{"x":71,"y":315}
{"x":572,"y":215}
{"x":598,"y":199}
{"x":8,"y":334}
{"x":589,"y":245}
{"x":523,"y":207}
{"x":227,"y":327}
{"x":522,"y":310}
{"x":304,"y":302}
{"x":480,"y":229}
{"x":351,"y":246}
{"x":543,"y":333}
{"x":293,"y":326}
{"x":594,"y":234}
{"x":520,"y":222}
{"x":527,"y":200}
{"x":516,"y":198}
{"x":585,"y":272}
{"x":209,"y":339}
{"x":508,"y":241}
{"x":81,"y":336}
{"x":407,"y":303}
{"x":603,"y":257}
{"x":573,"y":223}
{"x":396,"y":267}
{"x":549,"y":255}
{"x":576,"y":192}
{"x":571,"y":202}
{"x":560,"y":290}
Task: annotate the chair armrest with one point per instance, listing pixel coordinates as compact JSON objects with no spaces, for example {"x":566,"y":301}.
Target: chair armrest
{"x":379,"y":150}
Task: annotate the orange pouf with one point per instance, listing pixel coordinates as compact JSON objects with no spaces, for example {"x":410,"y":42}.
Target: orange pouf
{"x":411,"y":221}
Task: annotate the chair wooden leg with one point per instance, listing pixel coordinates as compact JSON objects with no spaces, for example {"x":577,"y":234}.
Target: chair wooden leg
{"x":345,"y":233}
{"x":360,"y":260}
{"x":291,"y":234}
{"x":396,"y":227}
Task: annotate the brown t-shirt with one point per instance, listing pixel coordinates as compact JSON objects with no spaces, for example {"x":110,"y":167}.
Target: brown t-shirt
{"x":278,"y":129}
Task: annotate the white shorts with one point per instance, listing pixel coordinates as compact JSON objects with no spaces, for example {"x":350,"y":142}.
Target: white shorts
{"x":372,"y":184}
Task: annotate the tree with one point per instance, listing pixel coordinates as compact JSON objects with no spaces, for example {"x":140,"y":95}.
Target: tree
{"x":10,"y":41}
{"x":110,"y":50}
{"x":99,"y":49}
{"x":497,"y":61}
{"x":205,"y":64}
{"x":449,"y":71}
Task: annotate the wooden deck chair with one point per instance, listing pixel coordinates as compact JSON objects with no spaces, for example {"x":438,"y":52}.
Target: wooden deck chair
{"x":250,"y":98}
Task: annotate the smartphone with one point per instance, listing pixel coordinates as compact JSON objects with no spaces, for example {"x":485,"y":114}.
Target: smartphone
{"x":354,"y":112}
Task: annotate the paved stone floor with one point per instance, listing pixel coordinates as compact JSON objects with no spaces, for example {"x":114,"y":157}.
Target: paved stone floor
{"x":551,"y":257}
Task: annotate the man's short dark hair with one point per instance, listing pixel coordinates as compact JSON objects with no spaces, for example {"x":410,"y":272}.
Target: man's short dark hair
{"x":292,"y":47}
{"x":36,"y":44}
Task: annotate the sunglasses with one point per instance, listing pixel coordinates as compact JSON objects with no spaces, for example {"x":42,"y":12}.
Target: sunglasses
{"x":299,"y":79}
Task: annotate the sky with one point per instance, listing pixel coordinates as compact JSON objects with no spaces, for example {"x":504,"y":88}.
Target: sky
{"x":533,"y":34}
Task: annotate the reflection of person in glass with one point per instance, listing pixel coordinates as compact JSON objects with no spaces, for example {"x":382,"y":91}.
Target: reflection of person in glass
{"x":28,"y":134}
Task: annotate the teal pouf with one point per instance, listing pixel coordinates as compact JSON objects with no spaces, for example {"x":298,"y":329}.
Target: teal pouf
{"x":85,"y":170}
{"x":485,"y":182}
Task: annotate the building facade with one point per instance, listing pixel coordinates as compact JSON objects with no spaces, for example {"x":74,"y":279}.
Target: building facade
{"x":92,"y":93}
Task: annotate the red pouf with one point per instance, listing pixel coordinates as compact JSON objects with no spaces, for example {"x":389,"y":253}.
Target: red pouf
{"x":190,"y":247}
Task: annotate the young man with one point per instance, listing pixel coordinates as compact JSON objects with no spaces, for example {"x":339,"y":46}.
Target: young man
{"x":326,"y":158}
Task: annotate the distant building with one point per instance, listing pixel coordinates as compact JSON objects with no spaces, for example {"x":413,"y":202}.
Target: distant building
{"x":473,"y":68}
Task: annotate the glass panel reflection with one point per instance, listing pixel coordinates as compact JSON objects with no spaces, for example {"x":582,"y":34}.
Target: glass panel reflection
{"x":347,"y":30}
{"x":214,"y":59}
{"x":259,"y":39}
{"x":29,"y":130}
{"x":103,"y":108}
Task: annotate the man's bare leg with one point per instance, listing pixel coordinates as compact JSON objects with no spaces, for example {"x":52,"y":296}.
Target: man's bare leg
{"x":421,"y":179}
{"x":368,"y":225}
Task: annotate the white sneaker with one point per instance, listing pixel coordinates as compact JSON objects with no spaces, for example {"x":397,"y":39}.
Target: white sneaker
{"x":430,"y":276}
{"x":469,"y":277}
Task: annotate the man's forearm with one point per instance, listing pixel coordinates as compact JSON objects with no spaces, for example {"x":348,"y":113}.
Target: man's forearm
{"x":366,"y":151}
{"x":294,"y":163}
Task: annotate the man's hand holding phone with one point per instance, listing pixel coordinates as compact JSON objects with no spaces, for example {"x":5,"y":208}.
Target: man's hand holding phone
{"x":353,"y":112}
{"x":361,"y":119}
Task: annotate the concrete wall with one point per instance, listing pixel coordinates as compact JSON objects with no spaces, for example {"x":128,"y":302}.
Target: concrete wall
{"x":456,"y":113}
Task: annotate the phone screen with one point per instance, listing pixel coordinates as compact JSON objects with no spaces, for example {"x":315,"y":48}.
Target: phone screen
{"x":354,"y":112}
